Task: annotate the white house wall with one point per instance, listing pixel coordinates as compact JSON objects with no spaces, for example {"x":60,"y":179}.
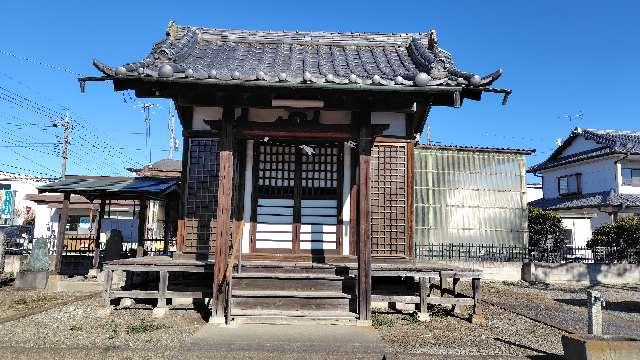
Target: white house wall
{"x":396,"y":120}
{"x":597,"y":175}
{"x":580,"y":144}
{"x":581,"y":228}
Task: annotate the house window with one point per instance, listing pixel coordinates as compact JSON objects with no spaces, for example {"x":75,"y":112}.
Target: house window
{"x":569,"y":184}
{"x":630,"y":177}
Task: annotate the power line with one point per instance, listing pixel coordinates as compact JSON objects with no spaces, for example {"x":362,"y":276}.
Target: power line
{"x":43,"y":63}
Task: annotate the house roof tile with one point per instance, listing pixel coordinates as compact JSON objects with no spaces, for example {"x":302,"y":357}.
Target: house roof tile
{"x":589,"y":200}
{"x":384,"y":59}
{"x":611,"y":141}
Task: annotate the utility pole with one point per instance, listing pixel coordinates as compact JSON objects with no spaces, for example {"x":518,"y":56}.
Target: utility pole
{"x":65,"y":144}
{"x":173,"y":143}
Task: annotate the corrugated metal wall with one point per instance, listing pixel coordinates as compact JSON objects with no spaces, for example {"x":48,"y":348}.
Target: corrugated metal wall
{"x":467,"y":197}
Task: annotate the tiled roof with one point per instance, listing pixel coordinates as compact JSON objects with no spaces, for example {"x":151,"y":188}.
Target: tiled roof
{"x":160,"y":168}
{"x":599,"y":199}
{"x":612,"y":141}
{"x":384,"y":59}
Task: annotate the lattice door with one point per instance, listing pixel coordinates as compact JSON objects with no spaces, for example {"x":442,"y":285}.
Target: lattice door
{"x":275,"y":168}
{"x":388,"y":198}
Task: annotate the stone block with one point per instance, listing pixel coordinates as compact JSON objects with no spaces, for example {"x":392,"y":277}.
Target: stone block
{"x":32,"y":279}
{"x":583,"y":347}
{"x":159,"y":312}
{"x":424,"y":316}
{"x":126,"y":302}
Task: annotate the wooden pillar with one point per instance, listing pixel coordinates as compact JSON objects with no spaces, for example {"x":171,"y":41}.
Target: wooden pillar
{"x":98,"y":229}
{"x":62,"y":226}
{"x":364,"y":233}
{"x":142,"y":227}
{"x":223,"y":214}
{"x":166,"y":233}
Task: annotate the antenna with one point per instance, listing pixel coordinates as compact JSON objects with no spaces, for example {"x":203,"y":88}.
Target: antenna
{"x":146,"y":108}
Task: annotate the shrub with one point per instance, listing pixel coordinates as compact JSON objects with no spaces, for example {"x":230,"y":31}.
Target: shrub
{"x":546,"y":232}
{"x":623,"y":235}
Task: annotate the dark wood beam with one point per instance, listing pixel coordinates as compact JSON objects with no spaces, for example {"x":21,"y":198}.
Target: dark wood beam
{"x":223,"y":213}
{"x":364,"y":218}
{"x":62,"y":227}
{"x":166,"y":232}
{"x":142,"y":227}
{"x":98,"y":229}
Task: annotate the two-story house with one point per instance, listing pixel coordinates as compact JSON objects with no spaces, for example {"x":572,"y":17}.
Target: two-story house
{"x":590,"y":179}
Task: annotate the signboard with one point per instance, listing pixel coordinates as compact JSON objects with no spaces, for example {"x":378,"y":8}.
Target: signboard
{"x":6,"y":204}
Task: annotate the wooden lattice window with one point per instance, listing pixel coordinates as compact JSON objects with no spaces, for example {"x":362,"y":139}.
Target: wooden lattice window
{"x":388,"y":198}
{"x":201,"y":195}
{"x":320,"y":173}
{"x":276,"y":171}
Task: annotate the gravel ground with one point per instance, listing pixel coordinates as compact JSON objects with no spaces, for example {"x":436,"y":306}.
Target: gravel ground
{"x":565,"y":305}
{"x":81,"y":324}
{"x":504,"y":334}
{"x":14,"y":302}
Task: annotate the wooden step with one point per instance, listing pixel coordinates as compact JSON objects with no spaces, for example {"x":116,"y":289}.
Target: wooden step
{"x":288,"y":284}
{"x":289,"y":269}
{"x":276,"y":275}
{"x":290,"y":303}
{"x":291,"y":294}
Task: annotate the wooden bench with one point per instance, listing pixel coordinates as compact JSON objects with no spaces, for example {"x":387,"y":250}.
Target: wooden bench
{"x":426,"y":280}
{"x":163,"y":267}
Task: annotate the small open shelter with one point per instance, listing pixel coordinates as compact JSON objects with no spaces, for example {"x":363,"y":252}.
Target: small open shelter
{"x":107,"y":188}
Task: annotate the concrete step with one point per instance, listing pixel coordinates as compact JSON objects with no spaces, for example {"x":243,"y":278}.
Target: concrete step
{"x":293,"y":317}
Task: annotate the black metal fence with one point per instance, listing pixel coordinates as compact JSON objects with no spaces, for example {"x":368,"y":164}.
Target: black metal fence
{"x":506,"y":253}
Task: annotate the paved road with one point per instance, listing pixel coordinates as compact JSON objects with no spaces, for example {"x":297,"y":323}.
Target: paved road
{"x":291,"y":341}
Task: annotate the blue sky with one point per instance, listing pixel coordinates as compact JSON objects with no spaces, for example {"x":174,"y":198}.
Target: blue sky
{"x":559,"y":57}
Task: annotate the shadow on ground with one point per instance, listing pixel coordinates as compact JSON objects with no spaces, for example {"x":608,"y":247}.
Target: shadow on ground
{"x":541,"y":353}
{"x":621,"y":306}
{"x":8,"y":281}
